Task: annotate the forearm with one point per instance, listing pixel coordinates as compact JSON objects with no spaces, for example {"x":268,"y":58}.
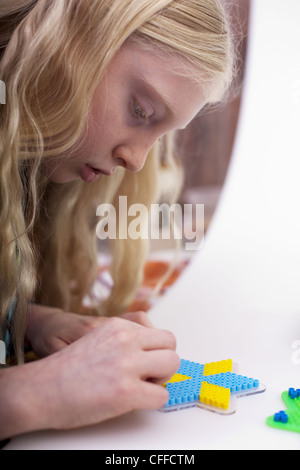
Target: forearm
{"x":24,"y":400}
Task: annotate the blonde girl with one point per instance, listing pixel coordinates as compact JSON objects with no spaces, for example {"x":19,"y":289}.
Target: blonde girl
{"x":92,"y":88}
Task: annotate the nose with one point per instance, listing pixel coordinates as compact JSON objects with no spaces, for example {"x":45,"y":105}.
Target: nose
{"x":131,"y":157}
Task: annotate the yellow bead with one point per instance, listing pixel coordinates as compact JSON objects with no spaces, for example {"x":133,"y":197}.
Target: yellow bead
{"x":218,"y":367}
{"x":215,"y":396}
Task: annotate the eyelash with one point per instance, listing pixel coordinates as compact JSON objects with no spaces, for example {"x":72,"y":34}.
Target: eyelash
{"x":139,"y":112}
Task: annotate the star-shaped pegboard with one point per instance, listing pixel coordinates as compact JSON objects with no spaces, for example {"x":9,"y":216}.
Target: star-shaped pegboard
{"x":288,"y":420}
{"x":214,"y":386}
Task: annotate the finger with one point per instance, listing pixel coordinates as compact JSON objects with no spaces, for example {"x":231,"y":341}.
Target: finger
{"x":153,"y":339}
{"x":159,"y":366}
{"x":151,"y":396}
{"x":138,"y":317}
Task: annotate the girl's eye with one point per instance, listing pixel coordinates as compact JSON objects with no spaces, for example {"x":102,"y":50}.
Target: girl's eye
{"x":139,"y":112}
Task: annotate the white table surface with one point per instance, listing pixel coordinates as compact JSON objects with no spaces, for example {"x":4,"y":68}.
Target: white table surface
{"x":239,"y":298}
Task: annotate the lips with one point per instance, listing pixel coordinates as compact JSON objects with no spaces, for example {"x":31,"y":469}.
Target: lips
{"x":90,"y":174}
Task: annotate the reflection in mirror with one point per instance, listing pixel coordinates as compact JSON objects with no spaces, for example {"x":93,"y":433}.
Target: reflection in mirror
{"x":203,"y":152}
{"x":205,"y":147}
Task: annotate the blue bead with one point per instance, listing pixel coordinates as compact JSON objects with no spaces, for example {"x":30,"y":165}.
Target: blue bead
{"x":277,"y":417}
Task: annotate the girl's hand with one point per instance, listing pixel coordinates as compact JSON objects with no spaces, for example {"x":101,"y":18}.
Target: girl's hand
{"x":49,"y":330}
{"x":116,"y":367}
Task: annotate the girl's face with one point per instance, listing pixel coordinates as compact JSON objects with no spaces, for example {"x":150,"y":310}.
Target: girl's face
{"x":143,"y":95}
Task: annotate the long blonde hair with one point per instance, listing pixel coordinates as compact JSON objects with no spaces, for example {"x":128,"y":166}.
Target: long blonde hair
{"x":53,"y":55}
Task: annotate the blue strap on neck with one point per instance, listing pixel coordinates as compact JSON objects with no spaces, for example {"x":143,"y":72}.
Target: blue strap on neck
{"x":9,"y":320}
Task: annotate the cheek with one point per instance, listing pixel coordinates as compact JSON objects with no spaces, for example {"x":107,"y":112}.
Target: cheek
{"x":101,"y":130}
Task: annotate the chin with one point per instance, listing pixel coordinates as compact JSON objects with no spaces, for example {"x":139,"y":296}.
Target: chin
{"x":63,"y":179}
